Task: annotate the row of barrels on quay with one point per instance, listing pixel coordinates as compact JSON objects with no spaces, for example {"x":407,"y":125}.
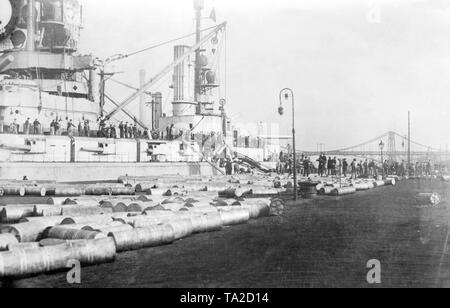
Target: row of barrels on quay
{"x":346,"y":186}
{"x":92,"y":223}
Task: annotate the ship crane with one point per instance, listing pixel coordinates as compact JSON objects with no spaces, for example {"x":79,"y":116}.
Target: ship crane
{"x":104,"y":77}
{"x":166,"y":71}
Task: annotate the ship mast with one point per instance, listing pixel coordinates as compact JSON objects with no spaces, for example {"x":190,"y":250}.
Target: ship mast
{"x":31,"y":30}
{"x":198,"y":6}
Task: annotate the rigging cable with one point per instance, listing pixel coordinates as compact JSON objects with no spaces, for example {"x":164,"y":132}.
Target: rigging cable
{"x":164,"y":43}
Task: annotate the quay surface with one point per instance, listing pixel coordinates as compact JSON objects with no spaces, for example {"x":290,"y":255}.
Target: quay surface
{"x":324,"y":242}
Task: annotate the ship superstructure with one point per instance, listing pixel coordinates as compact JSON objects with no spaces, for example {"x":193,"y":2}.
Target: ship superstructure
{"x":44,"y":80}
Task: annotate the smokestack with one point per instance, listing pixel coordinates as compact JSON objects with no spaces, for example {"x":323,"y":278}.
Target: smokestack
{"x":31,"y":30}
{"x":182,"y":101}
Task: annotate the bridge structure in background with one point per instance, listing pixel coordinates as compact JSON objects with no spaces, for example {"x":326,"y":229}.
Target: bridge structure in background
{"x":395,"y":148}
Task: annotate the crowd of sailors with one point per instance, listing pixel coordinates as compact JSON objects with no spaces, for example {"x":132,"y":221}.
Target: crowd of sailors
{"x":332,"y":166}
{"x":106,"y":129}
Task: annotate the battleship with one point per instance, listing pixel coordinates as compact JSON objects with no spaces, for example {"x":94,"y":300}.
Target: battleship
{"x":53,"y":105}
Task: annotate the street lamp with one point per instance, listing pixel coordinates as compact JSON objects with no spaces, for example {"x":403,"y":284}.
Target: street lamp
{"x":381,"y":145}
{"x":286,"y":94}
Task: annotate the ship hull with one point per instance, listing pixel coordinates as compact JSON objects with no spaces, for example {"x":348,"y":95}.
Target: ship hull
{"x":86,"y":172}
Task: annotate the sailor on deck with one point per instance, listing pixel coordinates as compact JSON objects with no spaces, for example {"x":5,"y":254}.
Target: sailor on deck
{"x":36,"y":125}
{"x":26,"y":126}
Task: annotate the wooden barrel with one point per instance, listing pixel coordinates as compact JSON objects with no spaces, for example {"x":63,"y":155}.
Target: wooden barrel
{"x":57,"y":200}
{"x":19,"y":246}
{"x":222,"y":202}
{"x":96,"y":190}
{"x":51,"y":242}
{"x":264,"y":190}
{"x":231,"y":193}
{"x":27,"y":231}
{"x":7,"y":239}
{"x":34,"y":191}
{"x":99,"y":219}
{"x":138,"y":206}
{"x":159,"y":192}
{"x":326,"y":190}
{"x":257,"y":209}
{"x":379,"y":183}
{"x":115,"y":205}
{"x":145,"y":187}
{"x":82,"y":201}
{"x":208,"y":222}
{"x":79,"y":227}
{"x":428,"y":199}
{"x":202,"y":208}
{"x":11,"y":190}
{"x":173,"y":206}
{"x":79,"y":210}
{"x":143,"y":198}
{"x":134,"y":179}
{"x":175,"y":200}
{"x":158,"y":214}
{"x":96,"y":226}
{"x":361,"y":186}
{"x":45,"y":210}
{"x":194,"y":187}
{"x":143,"y":237}
{"x":122,"y":191}
{"x":146,"y":221}
{"x":64,"y":233}
{"x":119,"y":228}
{"x":14,"y":213}
{"x":390,"y":182}
{"x":92,"y":252}
{"x":341,"y":191}
{"x":119,"y":216}
{"x":26,"y":262}
{"x":49,"y":221}
{"x":68,"y":191}
{"x":182,"y":228}
{"x":234,"y":216}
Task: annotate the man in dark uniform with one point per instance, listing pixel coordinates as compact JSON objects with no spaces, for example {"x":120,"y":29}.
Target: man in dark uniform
{"x":344,"y":167}
{"x":229,"y":167}
{"x":333,"y":166}
{"x":121,"y":129}
{"x":86,"y":128}
{"x":102,"y":127}
{"x":130,"y":132}
{"x":36,"y":125}
{"x":112,"y":131}
{"x":80,"y":129}
{"x":330,"y":166}
{"x":26,"y":127}
{"x":135,"y":131}
{"x":125,"y":130}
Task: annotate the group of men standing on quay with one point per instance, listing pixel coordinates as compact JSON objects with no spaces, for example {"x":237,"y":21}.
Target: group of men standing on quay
{"x":328,"y":166}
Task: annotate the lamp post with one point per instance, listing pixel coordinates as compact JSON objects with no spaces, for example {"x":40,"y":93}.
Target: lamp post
{"x":286,"y":94}
{"x":381,"y":145}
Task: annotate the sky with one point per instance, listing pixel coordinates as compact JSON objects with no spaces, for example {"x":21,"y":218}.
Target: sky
{"x":356,"y":66}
